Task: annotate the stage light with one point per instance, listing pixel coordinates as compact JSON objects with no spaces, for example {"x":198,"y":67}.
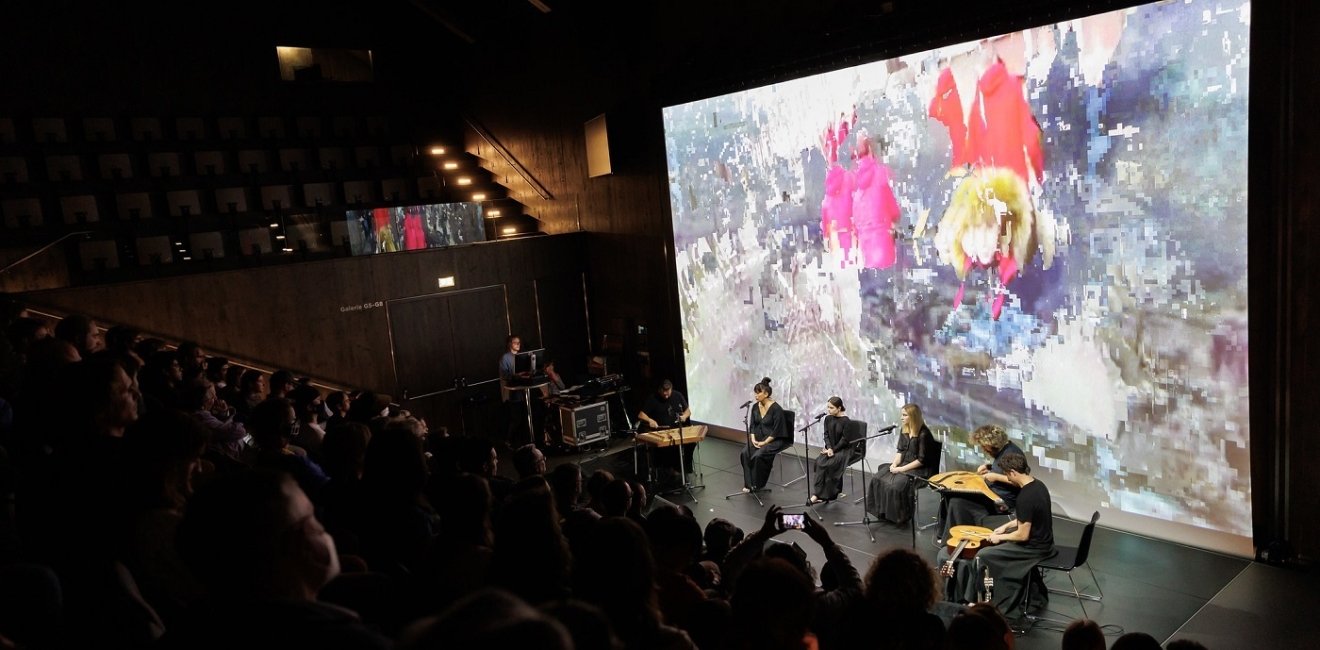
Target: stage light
{"x":479,"y":196}
{"x":445,"y":282}
{"x":187,"y":258}
{"x":493,"y":213}
{"x":510,"y":230}
{"x":437,"y":151}
{"x":451,"y":165}
{"x":274,"y":225}
{"x":279,"y":236}
{"x":464,"y":181}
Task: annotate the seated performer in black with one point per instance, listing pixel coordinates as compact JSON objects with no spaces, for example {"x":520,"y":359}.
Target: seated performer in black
{"x":666,"y":409}
{"x":889,"y":496}
{"x":769,"y":434}
{"x":961,"y":508}
{"x":1016,"y":546}
{"x":834,"y":457}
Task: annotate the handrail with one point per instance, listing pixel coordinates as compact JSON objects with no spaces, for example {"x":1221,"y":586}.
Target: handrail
{"x":55,"y":315}
{"x":508,"y":158}
{"x":43,"y":249}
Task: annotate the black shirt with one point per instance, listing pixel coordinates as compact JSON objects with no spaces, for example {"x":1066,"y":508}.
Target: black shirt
{"x":1006,"y":491}
{"x":665,"y":411}
{"x":1033,"y":506}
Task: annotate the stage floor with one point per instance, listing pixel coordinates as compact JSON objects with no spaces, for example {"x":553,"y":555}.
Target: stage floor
{"x":1164,"y":589}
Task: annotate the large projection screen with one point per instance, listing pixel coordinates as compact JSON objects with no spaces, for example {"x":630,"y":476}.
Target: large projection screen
{"x":1045,"y":230}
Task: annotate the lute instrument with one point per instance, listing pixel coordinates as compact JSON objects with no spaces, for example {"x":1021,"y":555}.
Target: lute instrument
{"x":966,"y":541}
{"x":967,"y":483}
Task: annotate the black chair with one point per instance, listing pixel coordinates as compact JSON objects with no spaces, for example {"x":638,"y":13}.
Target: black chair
{"x":790,"y":418}
{"x":853,"y":441}
{"x":930,"y":466}
{"x":1071,"y":557}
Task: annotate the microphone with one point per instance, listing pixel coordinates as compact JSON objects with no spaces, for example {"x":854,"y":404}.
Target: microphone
{"x":747,"y":404}
{"x":889,"y":428}
{"x":818,"y":417}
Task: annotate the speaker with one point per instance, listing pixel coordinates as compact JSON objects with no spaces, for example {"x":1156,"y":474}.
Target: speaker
{"x":598,"y":147}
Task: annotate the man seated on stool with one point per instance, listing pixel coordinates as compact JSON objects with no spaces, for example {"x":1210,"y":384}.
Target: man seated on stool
{"x":666,"y":409}
{"x":970,"y":509}
{"x":1014,"y":548}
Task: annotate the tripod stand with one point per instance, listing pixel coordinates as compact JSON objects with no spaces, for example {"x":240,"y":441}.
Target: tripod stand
{"x":747,"y":427}
{"x":866,"y":515}
{"x":687,"y":485}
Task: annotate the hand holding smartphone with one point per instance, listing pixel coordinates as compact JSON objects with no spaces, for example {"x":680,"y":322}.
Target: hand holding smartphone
{"x":791,"y":521}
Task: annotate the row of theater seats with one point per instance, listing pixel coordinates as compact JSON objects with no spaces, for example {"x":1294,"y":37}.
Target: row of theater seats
{"x":61,"y":130}
{"x":106,"y":254}
{"x":65,"y":167}
{"x":85,"y":208}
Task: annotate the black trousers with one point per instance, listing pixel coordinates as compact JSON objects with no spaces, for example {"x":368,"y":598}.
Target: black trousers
{"x":757,"y":462}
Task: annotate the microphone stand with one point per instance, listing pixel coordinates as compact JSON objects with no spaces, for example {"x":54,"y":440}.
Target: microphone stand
{"x":747,"y":426}
{"x":866,"y":515}
{"x":682,"y":471}
{"x":809,"y":461}
{"x":913,"y":479}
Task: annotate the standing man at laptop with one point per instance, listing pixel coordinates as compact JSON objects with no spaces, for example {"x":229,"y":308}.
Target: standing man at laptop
{"x":508,"y":364}
{"x":515,"y":399}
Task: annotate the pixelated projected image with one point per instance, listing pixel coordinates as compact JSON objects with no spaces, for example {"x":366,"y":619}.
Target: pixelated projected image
{"x":1045,"y":230}
{"x":414,"y":227}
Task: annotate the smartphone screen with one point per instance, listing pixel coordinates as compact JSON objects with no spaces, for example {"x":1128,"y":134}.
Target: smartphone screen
{"x":787,"y":520}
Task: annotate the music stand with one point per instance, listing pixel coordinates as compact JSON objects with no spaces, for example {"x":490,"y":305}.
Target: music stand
{"x":747,"y":427}
{"x":866,"y":515}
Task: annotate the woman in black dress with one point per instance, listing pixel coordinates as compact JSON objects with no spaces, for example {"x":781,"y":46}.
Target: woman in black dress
{"x":834,"y":457}
{"x":890,"y":494}
{"x":768,"y":435}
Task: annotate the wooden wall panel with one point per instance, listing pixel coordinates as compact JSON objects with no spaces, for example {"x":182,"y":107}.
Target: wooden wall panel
{"x":476,"y":320}
{"x":325,"y":319}
{"x":565,"y":334}
{"x":422,"y":343}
